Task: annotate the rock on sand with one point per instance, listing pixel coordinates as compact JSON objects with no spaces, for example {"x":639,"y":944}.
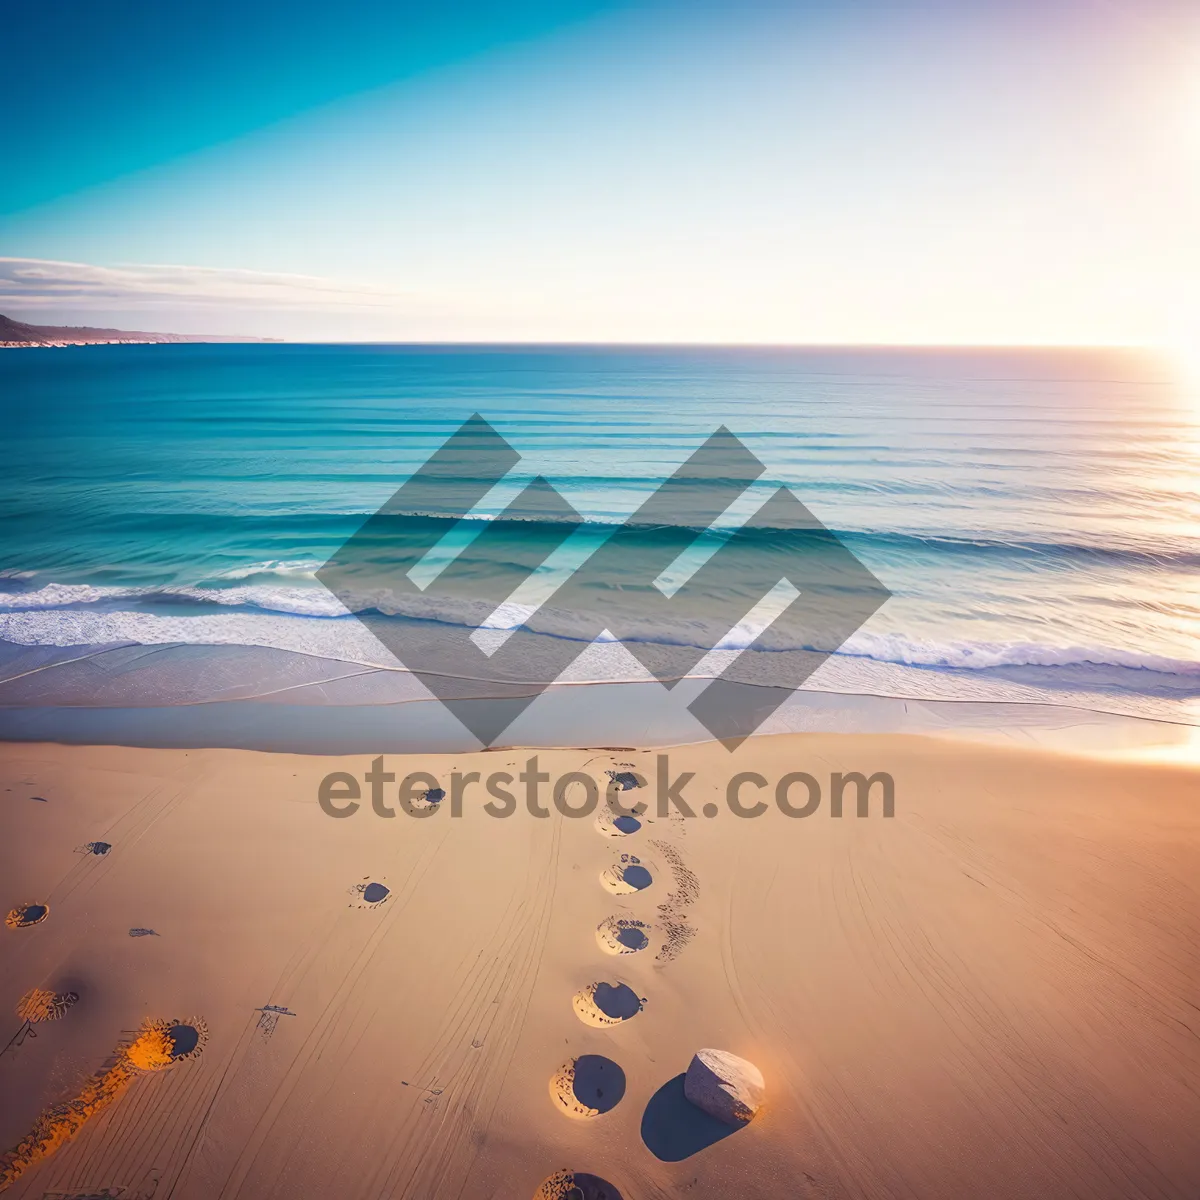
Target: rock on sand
{"x":724,"y":1086}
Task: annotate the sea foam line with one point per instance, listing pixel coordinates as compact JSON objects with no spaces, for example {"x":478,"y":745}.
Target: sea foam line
{"x":323,"y":627}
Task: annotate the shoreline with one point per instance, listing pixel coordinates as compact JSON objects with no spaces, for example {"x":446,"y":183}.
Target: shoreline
{"x":347,"y":728}
{"x":568,"y":716}
{"x":197,"y":696}
{"x":58,"y":344}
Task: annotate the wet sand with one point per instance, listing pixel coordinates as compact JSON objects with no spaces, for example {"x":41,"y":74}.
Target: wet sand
{"x":992,"y":993}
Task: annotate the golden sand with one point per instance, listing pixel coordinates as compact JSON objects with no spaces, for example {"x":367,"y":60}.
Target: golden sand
{"x":37,"y":1005}
{"x":150,"y":1051}
{"x":1006,"y":967}
{"x":59,"y":1124}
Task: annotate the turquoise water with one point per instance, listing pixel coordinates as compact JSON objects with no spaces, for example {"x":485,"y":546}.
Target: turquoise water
{"x":1035,"y":515}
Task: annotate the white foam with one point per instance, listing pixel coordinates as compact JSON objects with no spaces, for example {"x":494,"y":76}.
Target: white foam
{"x":968,"y":656}
{"x":284,"y":568}
{"x":311,"y":619}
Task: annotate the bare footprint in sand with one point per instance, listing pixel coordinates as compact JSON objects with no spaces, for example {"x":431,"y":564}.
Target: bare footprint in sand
{"x":25,"y":915}
{"x":614,"y":826}
{"x":576,"y":1185}
{"x":588,"y":1086}
{"x":627,"y":876}
{"x":371,"y":894}
{"x":605,"y":1004}
{"x":621,"y":935}
{"x":162,"y":1044}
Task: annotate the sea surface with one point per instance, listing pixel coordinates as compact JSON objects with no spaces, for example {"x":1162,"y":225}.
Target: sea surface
{"x":1035,"y":515}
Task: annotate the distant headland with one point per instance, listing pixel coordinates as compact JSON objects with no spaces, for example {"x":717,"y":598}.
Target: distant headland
{"x":14,"y":334}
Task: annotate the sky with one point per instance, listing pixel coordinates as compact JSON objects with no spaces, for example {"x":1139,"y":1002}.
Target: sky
{"x":862,"y":171}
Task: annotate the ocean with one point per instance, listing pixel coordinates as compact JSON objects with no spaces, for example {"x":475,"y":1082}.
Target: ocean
{"x":1034,"y":514}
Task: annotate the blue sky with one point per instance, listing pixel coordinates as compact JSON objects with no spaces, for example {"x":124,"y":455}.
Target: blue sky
{"x":909,"y":171}
{"x":106,"y":89}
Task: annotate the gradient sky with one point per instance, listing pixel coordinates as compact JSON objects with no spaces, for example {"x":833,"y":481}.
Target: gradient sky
{"x":980,"y":171}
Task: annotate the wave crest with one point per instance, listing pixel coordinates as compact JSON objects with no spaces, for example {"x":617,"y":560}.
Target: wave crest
{"x":313,"y":620}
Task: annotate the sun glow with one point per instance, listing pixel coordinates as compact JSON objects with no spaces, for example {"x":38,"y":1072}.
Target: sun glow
{"x":1184,"y":342}
{"x":1184,"y":339}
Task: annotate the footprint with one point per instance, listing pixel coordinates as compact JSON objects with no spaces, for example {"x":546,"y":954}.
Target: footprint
{"x":588,"y":1086}
{"x":625,"y":780}
{"x":162,"y":1044}
{"x":620,"y":935}
{"x":626,"y":876}
{"x":429,"y":799}
{"x":371,"y":894}
{"x":605,"y":1004}
{"x":614,"y":826}
{"x":158,"y":1045}
{"x":25,"y":915}
{"x":39,"y":1004}
{"x":576,"y":1185}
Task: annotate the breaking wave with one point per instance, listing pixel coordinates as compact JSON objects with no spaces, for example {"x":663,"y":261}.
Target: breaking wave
{"x":311,"y":620}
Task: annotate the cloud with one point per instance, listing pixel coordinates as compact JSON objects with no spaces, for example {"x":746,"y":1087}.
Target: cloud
{"x":41,"y":283}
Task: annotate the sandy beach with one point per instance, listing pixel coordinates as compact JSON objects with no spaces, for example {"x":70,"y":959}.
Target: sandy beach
{"x":991,"y":993}
{"x":659,"y":657}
